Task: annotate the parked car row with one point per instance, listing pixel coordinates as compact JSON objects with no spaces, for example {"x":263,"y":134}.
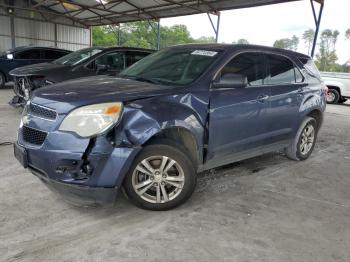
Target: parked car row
{"x":34,"y":74}
{"x":22,"y":56}
{"x":176,"y":112}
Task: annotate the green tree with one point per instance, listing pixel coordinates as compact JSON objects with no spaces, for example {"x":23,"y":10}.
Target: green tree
{"x":144,"y":34}
{"x":347,"y":34}
{"x":205,"y":39}
{"x":241,"y":41}
{"x":100,"y":37}
{"x":308,"y":37}
{"x":175,"y":35}
{"x":327,"y":57}
{"x":287,"y":43}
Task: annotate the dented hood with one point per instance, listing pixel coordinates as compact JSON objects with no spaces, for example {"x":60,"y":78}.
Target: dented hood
{"x":95,"y":89}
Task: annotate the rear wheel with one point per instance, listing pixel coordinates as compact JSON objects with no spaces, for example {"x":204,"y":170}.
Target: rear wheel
{"x":162,"y":177}
{"x":305,"y":140}
{"x":333,"y":96}
{"x":2,"y":80}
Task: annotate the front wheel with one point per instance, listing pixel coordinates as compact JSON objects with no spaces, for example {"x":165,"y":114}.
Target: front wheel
{"x":2,"y":80}
{"x":304,"y":141}
{"x":162,"y":177}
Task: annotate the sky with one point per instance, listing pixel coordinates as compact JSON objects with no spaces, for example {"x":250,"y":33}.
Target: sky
{"x":263,"y":25}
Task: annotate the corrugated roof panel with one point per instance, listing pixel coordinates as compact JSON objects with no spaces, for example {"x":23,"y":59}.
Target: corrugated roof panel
{"x":113,"y":11}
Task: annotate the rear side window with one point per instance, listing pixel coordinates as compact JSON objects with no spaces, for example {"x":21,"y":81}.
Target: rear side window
{"x":53,"y":54}
{"x":249,"y":65}
{"x":28,"y":54}
{"x":281,"y":70}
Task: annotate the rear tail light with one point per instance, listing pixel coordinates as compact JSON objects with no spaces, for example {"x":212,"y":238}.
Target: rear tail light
{"x":325,"y":90}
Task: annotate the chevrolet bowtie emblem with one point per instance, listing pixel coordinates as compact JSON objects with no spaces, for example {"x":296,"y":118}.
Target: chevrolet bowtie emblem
{"x":25,"y":120}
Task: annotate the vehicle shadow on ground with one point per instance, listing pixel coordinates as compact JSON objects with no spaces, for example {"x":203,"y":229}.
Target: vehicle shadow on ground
{"x":347,"y":104}
{"x":234,"y":171}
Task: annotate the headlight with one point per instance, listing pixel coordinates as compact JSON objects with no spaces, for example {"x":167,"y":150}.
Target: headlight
{"x":92,"y":120}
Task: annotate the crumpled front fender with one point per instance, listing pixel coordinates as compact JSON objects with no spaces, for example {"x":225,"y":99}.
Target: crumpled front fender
{"x":142,"y":119}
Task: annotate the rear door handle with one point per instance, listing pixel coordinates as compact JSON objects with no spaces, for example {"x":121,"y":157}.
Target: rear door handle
{"x":262,"y":98}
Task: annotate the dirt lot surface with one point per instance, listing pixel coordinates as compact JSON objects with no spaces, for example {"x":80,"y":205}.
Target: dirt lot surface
{"x":267,"y":208}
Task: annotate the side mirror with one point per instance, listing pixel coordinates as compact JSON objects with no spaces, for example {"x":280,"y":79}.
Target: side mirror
{"x":231,"y":80}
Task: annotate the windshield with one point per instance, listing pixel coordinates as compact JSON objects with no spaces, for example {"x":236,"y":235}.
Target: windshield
{"x":77,"y":57}
{"x":171,"y":66}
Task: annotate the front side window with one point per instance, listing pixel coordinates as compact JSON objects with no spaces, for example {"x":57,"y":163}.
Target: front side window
{"x":282,"y":71}
{"x":77,"y":57}
{"x":172,"y":66}
{"x":114,"y":61}
{"x":250,"y":66}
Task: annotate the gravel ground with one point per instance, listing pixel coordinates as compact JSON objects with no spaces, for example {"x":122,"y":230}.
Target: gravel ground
{"x":268,"y":208}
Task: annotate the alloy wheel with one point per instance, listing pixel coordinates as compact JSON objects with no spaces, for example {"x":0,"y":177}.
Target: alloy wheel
{"x":307,"y":139}
{"x":158,"y":179}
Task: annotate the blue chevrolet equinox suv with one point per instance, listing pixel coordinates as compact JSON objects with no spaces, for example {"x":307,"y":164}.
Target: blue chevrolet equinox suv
{"x":179,"y":111}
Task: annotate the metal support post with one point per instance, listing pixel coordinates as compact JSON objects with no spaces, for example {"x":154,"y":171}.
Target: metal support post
{"x":317,"y":23}
{"x":217,"y":27}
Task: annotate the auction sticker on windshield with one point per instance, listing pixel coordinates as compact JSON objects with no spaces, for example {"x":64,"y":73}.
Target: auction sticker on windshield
{"x":204,"y":52}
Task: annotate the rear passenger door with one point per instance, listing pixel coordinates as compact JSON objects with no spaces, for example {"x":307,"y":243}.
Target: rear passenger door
{"x":237,"y":118}
{"x":287,"y":92}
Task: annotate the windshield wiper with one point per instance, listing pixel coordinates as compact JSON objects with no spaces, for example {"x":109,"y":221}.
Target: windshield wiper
{"x":141,"y":79}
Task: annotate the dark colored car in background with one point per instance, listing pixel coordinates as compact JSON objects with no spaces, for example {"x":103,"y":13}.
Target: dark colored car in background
{"x":177,"y":112}
{"x":26,"y":55}
{"x":82,"y":63}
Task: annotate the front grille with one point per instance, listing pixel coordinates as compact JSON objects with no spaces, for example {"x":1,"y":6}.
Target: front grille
{"x":33,"y":136}
{"x":41,"y":111}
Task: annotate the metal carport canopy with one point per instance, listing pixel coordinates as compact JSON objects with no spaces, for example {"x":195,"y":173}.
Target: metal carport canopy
{"x":104,"y":12}
{"x":107,"y":12}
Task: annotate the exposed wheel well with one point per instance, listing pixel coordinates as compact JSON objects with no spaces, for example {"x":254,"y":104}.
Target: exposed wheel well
{"x":317,"y":115}
{"x":335,"y":88}
{"x":182,"y":137}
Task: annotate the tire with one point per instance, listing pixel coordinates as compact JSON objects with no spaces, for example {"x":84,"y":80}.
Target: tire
{"x":2,"y":80}
{"x":178,"y":181}
{"x":295,"y":150}
{"x":333,"y":96}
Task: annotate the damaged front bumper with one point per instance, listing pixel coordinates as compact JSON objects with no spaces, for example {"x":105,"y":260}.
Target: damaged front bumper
{"x":83,"y":171}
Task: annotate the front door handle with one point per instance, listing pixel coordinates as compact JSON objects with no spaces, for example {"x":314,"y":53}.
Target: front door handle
{"x":262,"y":98}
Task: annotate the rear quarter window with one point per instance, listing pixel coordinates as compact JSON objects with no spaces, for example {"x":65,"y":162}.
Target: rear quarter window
{"x":310,"y":67}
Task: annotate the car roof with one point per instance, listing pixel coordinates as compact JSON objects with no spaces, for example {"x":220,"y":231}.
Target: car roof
{"x":22,"y":48}
{"x":234,"y":47}
{"x":104,"y":48}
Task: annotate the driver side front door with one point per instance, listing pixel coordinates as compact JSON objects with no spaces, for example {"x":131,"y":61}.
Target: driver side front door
{"x":237,"y":117}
